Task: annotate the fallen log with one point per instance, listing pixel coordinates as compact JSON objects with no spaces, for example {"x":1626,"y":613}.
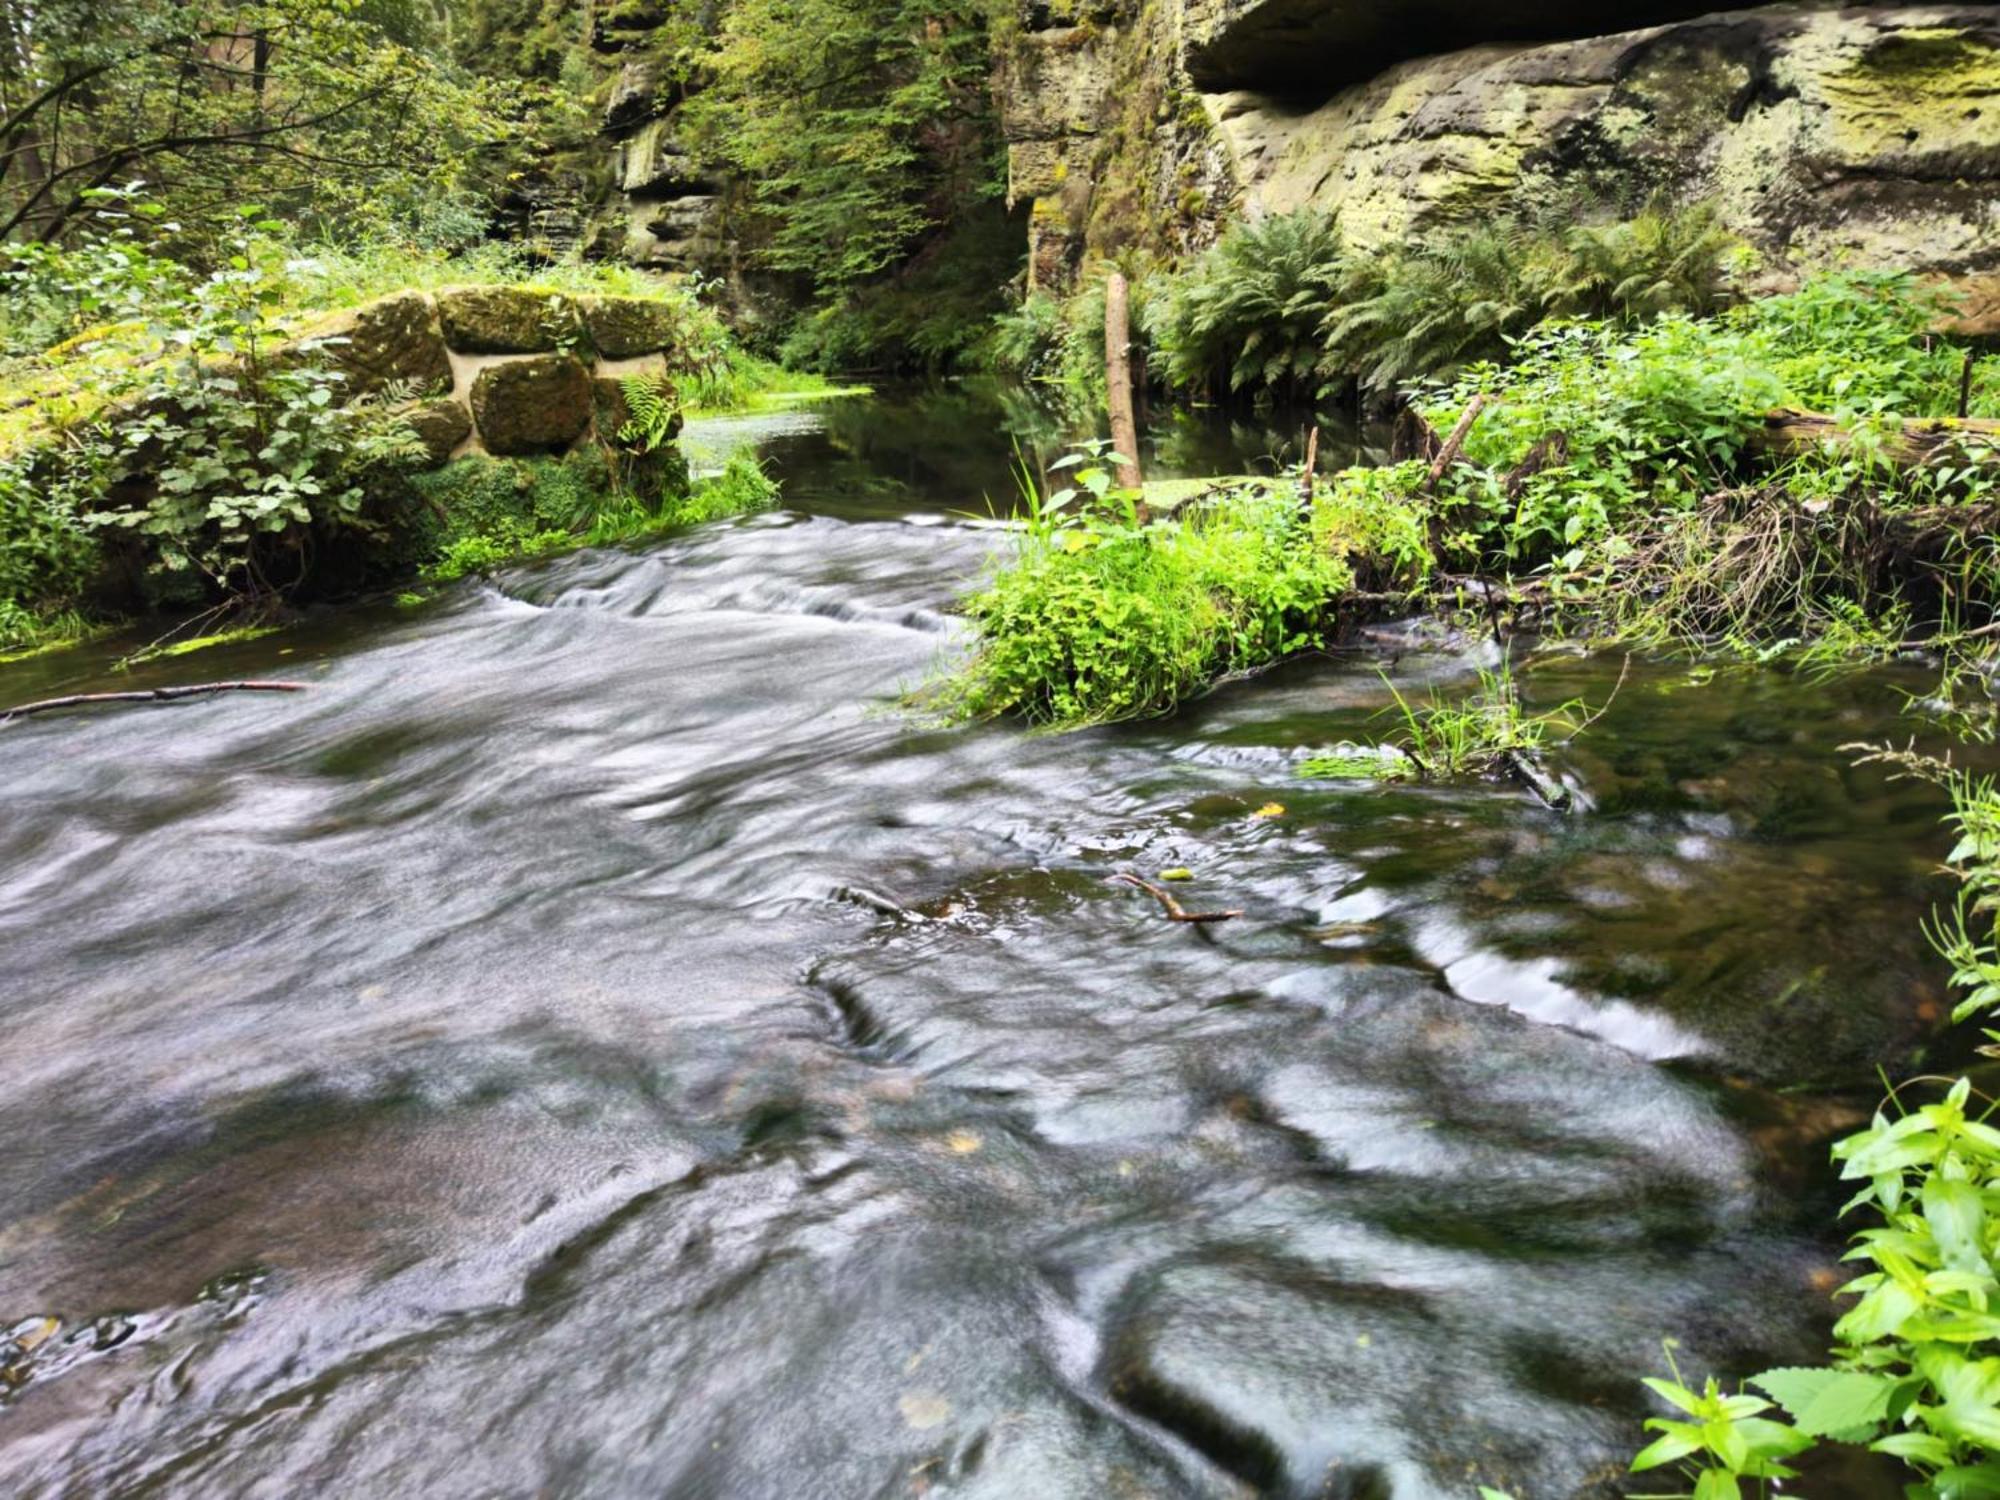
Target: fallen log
{"x":149,"y":695}
{"x":1908,"y":443}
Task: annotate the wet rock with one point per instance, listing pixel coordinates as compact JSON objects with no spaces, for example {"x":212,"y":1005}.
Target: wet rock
{"x":394,"y":340}
{"x":529,"y":406}
{"x":507,"y":320}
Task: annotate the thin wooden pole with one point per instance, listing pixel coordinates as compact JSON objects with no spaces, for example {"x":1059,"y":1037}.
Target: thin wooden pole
{"x":1118,"y":383}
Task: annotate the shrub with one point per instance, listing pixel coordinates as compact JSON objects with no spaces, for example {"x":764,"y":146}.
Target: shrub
{"x":1096,"y":617}
{"x":1248,"y":314}
{"x":1462,"y":295}
{"x":1596,"y":423}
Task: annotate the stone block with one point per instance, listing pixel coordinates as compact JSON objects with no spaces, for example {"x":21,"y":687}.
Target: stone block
{"x":535,"y":405}
{"x":508,"y":320}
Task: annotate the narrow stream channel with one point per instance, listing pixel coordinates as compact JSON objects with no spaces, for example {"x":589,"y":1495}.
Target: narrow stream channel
{"x":593,"y":1045}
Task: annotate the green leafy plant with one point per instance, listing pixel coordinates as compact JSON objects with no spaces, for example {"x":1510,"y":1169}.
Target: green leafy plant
{"x":1247,"y":315}
{"x":1101,"y":614}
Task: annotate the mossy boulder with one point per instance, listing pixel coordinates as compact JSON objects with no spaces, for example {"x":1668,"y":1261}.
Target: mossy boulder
{"x":529,"y":406}
{"x":441,"y":425}
{"x":508,"y":320}
{"x":391,"y":341}
{"x":630,"y":327}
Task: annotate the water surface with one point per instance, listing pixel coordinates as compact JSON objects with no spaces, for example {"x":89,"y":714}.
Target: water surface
{"x":593,"y":1044}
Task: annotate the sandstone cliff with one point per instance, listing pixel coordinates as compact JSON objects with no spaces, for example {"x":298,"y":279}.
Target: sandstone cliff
{"x":1866,"y":135}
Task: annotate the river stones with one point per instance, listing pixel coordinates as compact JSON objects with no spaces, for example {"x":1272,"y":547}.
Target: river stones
{"x":529,"y":406}
{"x":508,"y":320}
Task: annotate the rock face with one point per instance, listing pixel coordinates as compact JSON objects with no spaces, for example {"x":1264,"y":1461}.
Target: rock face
{"x":530,"y":406}
{"x":1309,"y":46}
{"x":1868,"y":137}
{"x":1865,"y":135}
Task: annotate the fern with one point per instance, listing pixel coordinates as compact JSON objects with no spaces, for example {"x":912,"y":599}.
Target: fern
{"x":653,"y":412}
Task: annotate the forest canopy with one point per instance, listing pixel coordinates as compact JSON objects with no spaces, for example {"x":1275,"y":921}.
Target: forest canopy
{"x":344,"y":116}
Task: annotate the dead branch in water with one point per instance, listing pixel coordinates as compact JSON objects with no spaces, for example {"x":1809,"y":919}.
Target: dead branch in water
{"x":150,"y":695}
{"x":1174,"y":910}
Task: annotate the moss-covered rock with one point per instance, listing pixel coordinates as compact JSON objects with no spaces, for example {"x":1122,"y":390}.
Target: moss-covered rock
{"x":1866,"y":136}
{"x":392,"y":341}
{"x":441,"y":425}
{"x":527,"y":406}
{"x":508,"y":320}
{"x":630,"y":327}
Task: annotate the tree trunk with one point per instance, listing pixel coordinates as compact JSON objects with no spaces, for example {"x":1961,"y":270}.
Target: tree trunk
{"x":1118,"y":383}
{"x":1910,"y":444}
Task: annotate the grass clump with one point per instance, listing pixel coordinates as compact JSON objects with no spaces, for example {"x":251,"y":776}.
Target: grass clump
{"x":1099,"y":615}
{"x":1449,"y":739}
{"x":480,"y":513}
{"x":743,"y":488}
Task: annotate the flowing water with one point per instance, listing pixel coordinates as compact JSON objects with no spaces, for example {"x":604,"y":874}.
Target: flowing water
{"x":592,"y":1044}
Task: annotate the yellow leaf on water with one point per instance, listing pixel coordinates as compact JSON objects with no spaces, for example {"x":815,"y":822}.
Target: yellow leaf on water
{"x":963,"y":1142}
{"x":1270,"y":810}
{"x":923,"y":1411}
{"x":1176,"y":874}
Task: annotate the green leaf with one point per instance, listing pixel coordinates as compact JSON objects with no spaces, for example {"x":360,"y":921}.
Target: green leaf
{"x":1957,"y":1218}
{"x":1824,"y":1402}
{"x":1717,"y":1484}
{"x":1675,"y":1445}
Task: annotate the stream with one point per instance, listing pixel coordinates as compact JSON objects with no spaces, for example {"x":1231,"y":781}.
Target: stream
{"x":594,"y":1044}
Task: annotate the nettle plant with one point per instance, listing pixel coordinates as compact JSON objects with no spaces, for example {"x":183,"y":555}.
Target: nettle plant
{"x":223,"y":446}
{"x":1916,"y":1370}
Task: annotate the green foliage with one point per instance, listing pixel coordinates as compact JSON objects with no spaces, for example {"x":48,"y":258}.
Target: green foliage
{"x":480,"y":513}
{"x":852,"y":124}
{"x":1247,"y":315}
{"x":742,"y":488}
{"x":1099,"y":616}
{"x":1446,"y":738}
{"x":1284,"y":306}
{"x":1719,"y":1439}
{"x":345,"y":117}
{"x":655,"y":412}
{"x":1464,"y":294}
{"x":1595,"y":424}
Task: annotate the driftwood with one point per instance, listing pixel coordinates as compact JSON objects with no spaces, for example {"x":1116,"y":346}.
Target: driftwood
{"x":1174,"y":910}
{"x":1455,"y":444}
{"x":1308,"y":477}
{"x":150,"y":695}
{"x":1909,"y":444}
{"x":1553,"y":794}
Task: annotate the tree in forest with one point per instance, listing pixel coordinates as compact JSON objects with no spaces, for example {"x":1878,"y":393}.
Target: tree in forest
{"x":857,"y":126}
{"x":341,"y":115}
